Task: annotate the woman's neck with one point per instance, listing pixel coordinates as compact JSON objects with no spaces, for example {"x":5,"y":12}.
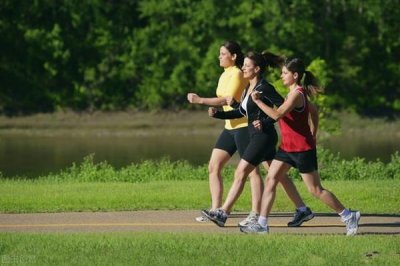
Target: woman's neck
{"x":253,"y":82}
{"x":293,"y":86}
{"x":229,"y":67}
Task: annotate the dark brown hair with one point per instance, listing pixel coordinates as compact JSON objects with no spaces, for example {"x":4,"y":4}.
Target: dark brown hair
{"x":305,"y":78}
{"x":265,"y":60}
{"x":234,"y":48}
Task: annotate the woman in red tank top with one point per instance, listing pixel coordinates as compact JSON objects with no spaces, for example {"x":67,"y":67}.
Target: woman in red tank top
{"x":298,"y":147}
{"x":295,"y":129}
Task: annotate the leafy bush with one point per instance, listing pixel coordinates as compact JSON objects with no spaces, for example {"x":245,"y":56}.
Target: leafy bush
{"x":88,"y":171}
{"x":331,"y":167}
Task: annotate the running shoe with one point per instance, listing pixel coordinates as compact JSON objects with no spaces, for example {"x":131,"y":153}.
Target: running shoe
{"x":251,"y":218}
{"x":218,"y":216}
{"x":351,"y":222}
{"x":255,"y":228}
{"x":202,"y":219}
{"x":301,"y":217}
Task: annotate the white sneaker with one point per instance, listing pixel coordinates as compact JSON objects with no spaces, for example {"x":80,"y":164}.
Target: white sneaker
{"x":251,"y":218}
{"x":202,"y":219}
{"x":255,"y":228}
{"x":351,"y":222}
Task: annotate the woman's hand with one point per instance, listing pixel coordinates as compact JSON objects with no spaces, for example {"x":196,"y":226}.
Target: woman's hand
{"x":193,"y":98}
{"x":212,"y":111}
{"x":257,"y":124}
{"x":256,"y":96}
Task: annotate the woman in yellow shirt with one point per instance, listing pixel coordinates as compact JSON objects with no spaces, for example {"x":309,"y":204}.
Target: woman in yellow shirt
{"x":235,"y":135}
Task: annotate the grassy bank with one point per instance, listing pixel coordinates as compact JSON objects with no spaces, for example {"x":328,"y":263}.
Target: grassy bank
{"x":196,"y":249}
{"x":137,"y":122}
{"x":130,"y":123}
{"x":368,"y":186}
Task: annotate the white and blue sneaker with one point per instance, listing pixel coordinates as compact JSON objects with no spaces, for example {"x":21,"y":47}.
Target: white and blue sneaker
{"x":251,"y":218}
{"x":202,"y":219}
{"x":255,"y":228}
{"x":351,"y":222}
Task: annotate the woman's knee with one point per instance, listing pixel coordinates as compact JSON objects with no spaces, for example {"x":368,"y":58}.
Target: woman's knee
{"x":241,"y":174}
{"x":316,"y":191}
{"x":255,"y":174}
{"x":217,"y":161}
{"x":270,"y":184}
{"x":215,"y":167}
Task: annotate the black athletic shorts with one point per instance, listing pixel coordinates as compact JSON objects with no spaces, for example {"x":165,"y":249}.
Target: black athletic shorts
{"x":262,"y":147}
{"x":232,"y":140}
{"x":305,"y":161}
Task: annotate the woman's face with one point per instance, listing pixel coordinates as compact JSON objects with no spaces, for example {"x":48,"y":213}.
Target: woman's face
{"x":226,"y":59}
{"x":250,"y":70}
{"x":287,"y":77}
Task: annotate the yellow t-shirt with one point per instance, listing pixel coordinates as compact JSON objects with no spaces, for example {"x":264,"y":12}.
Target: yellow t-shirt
{"x":232,"y":83}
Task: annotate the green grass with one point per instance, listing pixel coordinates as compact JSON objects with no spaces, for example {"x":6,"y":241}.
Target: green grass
{"x":196,"y":249}
{"x":26,"y":196}
{"x":90,"y":187}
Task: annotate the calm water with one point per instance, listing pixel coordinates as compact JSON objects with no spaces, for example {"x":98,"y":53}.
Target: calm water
{"x":33,"y":156}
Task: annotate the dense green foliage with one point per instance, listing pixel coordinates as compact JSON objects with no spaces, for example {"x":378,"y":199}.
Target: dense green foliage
{"x":196,"y":249}
{"x":109,"y":55}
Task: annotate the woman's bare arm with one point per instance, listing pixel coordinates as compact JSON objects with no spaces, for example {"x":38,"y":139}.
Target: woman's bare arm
{"x":293,"y":100}
{"x":314,"y":119}
{"x":215,"y":101}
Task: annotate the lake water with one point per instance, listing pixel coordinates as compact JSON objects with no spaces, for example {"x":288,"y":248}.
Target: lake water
{"x":38,"y":155}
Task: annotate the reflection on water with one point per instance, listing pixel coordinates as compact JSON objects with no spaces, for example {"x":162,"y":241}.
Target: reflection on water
{"x":350,"y":146}
{"x":33,"y":156}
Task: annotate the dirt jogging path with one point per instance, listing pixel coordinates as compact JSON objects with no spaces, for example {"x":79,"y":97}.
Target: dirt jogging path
{"x":184,"y":221}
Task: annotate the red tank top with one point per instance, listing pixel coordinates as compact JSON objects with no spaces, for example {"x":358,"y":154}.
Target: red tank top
{"x":295,"y":131}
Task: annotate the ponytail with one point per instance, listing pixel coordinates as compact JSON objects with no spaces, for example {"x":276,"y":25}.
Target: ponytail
{"x":264,"y":60}
{"x":311,"y":84}
{"x":273,"y":60}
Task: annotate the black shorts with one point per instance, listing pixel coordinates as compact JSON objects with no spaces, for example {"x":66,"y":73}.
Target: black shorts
{"x":262,"y":147}
{"x":305,"y":161}
{"x":232,"y":140}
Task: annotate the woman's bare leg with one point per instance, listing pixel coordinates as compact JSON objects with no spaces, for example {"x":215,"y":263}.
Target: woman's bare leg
{"x":217,"y":162}
{"x":242,"y":171}
{"x":313,"y":183}
{"x":257,"y":187}
{"x":289,"y":188}
{"x":276,"y":172}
